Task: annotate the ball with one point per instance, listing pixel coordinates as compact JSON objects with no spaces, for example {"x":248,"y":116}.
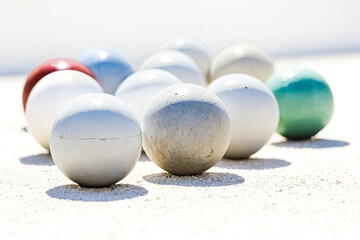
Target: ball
{"x":191,"y":46}
{"x":242,"y":57}
{"x":253,"y":111}
{"x":186,"y":129}
{"x":177,"y":63}
{"x":109,"y":66}
{"x":305,"y":100}
{"x":50,"y":95}
{"x":96,"y":140}
{"x":138,"y":89}
{"x":50,"y":66}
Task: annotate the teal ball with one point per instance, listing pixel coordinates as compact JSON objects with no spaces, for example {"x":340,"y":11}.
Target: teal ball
{"x":305,"y":102}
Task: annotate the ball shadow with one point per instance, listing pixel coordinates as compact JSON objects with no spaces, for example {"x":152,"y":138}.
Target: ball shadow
{"x":312,"y":143}
{"x":113,"y":193}
{"x":253,"y":163}
{"x":38,"y":159}
{"x":144,"y":158}
{"x":207,"y":179}
{"x":24,"y":129}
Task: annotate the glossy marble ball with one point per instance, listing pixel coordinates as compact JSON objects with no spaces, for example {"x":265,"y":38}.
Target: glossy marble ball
{"x":191,"y":46}
{"x":186,"y":129}
{"x":305,"y":100}
{"x":50,"y":95}
{"x":177,"y":63}
{"x":109,"y":66}
{"x":96,"y":140}
{"x":50,"y":66}
{"x":139,"y":88}
{"x":242,"y":57}
{"x":253,"y":112}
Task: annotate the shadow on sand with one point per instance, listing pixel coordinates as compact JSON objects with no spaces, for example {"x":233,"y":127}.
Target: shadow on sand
{"x":113,"y":193}
{"x":312,"y":143}
{"x":207,"y":179}
{"x":38,"y":159}
{"x":144,"y":158}
{"x":252,"y":163}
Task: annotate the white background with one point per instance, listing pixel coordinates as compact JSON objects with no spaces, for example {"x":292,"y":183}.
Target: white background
{"x":33,"y":30}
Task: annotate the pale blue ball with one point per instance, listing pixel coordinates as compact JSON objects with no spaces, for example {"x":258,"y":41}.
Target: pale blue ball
{"x":109,"y":66}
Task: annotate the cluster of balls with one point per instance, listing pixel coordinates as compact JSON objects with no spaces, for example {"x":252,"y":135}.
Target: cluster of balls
{"x":184,"y":109}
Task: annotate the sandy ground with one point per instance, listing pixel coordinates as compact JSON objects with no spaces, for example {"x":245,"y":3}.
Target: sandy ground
{"x":288,"y":190}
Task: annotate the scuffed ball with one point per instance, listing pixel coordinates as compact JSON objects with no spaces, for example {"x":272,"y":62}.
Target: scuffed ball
{"x":186,"y":129}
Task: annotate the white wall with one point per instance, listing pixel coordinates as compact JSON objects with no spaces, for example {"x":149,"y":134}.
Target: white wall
{"x":34,"y":30}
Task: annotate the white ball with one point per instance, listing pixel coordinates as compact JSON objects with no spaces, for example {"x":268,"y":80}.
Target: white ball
{"x":191,"y":46}
{"x":96,"y":140}
{"x":50,"y":95}
{"x":138,"y":89}
{"x":242,"y":57}
{"x":177,"y":63}
{"x":253,"y":111}
{"x":186,"y":129}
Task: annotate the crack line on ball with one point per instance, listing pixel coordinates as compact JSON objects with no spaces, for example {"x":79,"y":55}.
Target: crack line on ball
{"x":97,"y":138}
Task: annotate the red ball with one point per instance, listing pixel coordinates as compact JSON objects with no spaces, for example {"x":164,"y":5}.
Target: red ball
{"x":50,"y":66}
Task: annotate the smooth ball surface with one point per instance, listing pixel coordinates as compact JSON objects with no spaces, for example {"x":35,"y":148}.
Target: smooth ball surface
{"x":50,"y":95}
{"x":305,"y":100}
{"x":186,"y":129}
{"x":192,"y":47}
{"x":253,"y":111}
{"x":177,"y":63}
{"x":242,"y":57}
{"x":138,"y":89}
{"x":50,"y":66}
{"x":109,"y":67}
{"x":96,"y":140}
